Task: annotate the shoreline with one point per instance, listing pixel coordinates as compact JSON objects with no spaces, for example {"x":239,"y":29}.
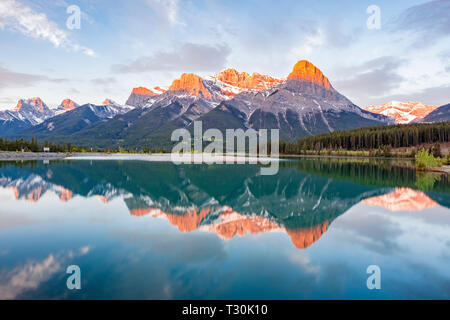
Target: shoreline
{"x":39,"y":156}
{"x":16,"y":155}
{"x":42,"y":156}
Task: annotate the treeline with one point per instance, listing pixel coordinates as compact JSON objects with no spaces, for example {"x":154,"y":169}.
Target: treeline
{"x":35,"y":146}
{"x":20,"y":145}
{"x":379,"y":138}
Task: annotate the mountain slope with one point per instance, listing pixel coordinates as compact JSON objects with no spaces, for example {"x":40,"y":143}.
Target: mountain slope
{"x":440,"y":114}
{"x":11,"y":126}
{"x":152,"y":124}
{"x":60,"y":127}
{"x":65,"y":105}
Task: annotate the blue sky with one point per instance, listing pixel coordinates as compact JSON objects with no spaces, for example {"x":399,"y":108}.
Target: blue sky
{"x":124,"y":44}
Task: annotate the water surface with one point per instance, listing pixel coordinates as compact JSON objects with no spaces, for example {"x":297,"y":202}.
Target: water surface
{"x":154,"y":230}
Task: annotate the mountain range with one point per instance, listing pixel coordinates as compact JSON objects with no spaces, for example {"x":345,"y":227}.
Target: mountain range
{"x":302,"y":104}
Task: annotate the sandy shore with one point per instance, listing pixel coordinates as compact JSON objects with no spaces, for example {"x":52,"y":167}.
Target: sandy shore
{"x":32,"y":155}
{"x":5,"y":155}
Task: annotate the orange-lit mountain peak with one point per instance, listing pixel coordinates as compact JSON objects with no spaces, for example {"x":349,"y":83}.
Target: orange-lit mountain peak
{"x":306,"y":71}
{"x":234,"y":82}
{"x":192,"y":84}
{"x":402,"y":199}
{"x":143,"y":91}
{"x":68,"y":104}
{"x":304,"y":238}
{"x":37,"y":103}
{"x":232,"y":76}
{"x":106,"y":102}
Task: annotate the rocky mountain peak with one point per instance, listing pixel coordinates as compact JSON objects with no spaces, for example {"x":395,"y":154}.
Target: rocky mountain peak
{"x":234,"y":82}
{"x":36,"y":103}
{"x":143,"y":91}
{"x":192,"y":84}
{"x":306,"y":71}
{"x":108,"y":102}
{"x":68,"y":104}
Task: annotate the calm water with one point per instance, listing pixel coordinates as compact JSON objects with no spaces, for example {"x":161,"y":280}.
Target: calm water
{"x":153,"y":230}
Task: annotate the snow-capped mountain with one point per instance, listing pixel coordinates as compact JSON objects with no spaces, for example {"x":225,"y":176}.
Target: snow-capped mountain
{"x":403,"y":112}
{"x":232,"y":82}
{"x":112,"y":109}
{"x":33,"y":111}
{"x":60,"y":127}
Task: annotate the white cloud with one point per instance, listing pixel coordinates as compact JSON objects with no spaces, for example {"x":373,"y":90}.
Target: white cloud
{"x":33,"y":273}
{"x":17,"y":17}
{"x":28,"y":277}
{"x":186,"y":57}
{"x":304,"y":262}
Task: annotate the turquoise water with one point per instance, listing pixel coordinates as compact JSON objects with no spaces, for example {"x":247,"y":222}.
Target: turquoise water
{"x":154,"y":230}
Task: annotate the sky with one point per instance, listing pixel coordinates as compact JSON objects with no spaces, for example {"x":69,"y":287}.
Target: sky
{"x":124,"y":44}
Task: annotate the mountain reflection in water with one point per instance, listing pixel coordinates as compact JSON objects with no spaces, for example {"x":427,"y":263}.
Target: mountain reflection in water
{"x":302,"y":200}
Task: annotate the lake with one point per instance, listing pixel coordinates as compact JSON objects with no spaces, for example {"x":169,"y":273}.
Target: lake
{"x":155,"y":230}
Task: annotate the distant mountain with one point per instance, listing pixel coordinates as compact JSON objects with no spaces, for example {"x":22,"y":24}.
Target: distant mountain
{"x":140,"y":95}
{"x":440,"y":114}
{"x":62,"y":126}
{"x":403,"y":112}
{"x":66,"y":105}
{"x":32,"y":110}
{"x":304,"y":104}
{"x":27,"y":113}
